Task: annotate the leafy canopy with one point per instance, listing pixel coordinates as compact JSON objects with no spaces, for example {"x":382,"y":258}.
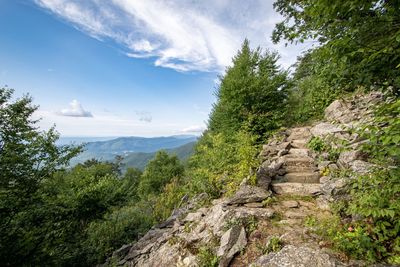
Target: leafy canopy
{"x":251,"y":95}
{"x":362,"y":36}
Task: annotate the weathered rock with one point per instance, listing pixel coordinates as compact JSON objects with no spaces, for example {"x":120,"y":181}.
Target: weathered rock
{"x":360,"y":166}
{"x":323,"y":129}
{"x":282,"y":152}
{"x":298,"y":164}
{"x":301,"y":256}
{"x":292,"y":235}
{"x":333,"y":167}
{"x":246,"y":212}
{"x":284,"y":145}
{"x":353,"y":111}
{"x":216,"y":217}
{"x":337,"y":111}
{"x":299,"y":143}
{"x":193,"y":216}
{"x":167,"y":223}
{"x":254,"y":205}
{"x":121,"y":252}
{"x":189,"y":261}
{"x":296,"y":189}
{"x":295,"y":214}
{"x":299,"y":133}
{"x":266,"y":171}
{"x":323,"y":164}
{"x":302,"y":177}
{"x":247,"y":194}
{"x":302,"y":152}
{"x":233,"y":241}
{"x":307,"y":204}
{"x":346,"y":157}
{"x":332,"y":188}
{"x":273,"y":149}
{"x":291,"y":221}
{"x":290,"y":203}
{"x":165,"y":255}
{"x":324,"y":179}
{"x":187,"y":205}
{"x":323,"y":203}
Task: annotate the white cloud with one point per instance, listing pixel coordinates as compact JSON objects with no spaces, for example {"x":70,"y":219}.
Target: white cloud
{"x":144,"y":116}
{"x":143,"y":46}
{"x":75,"y":110}
{"x":102,"y":125}
{"x":180,"y":34}
{"x":194,"y":129}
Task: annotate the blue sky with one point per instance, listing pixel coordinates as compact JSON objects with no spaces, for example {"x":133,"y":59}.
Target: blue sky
{"x":127,"y":67}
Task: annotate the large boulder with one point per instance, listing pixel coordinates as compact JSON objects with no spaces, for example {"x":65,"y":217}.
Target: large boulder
{"x":297,"y":256}
{"x":323,"y":129}
{"x":273,"y":148}
{"x":339,"y":111}
{"x":266,"y":172}
{"x":347,"y":157}
{"x":353,"y":111}
{"x":332,"y":188}
{"x":248,"y":194}
{"x":232,"y":241}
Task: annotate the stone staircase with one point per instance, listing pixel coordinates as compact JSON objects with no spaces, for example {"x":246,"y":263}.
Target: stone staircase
{"x":299,"y":169}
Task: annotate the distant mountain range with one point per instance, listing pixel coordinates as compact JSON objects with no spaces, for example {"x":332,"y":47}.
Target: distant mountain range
{"x":139,"y":159}
{"x":137,"y":151}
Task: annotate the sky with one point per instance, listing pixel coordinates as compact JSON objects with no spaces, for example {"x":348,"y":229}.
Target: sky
{"x":128,"y":67}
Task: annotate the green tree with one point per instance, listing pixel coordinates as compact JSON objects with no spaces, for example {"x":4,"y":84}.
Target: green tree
{"x":251,"y":95}
{"x":28,"y":157}
{"x":158,"y":172}
{"x":131,"y":180}
{"x":312,"y":89}
{"x":117,"y":227}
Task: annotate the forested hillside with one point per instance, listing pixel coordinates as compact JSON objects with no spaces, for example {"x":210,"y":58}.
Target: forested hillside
{"x":139,"y":160}
{"x":53,"y":216}
{"x":140,"y":148}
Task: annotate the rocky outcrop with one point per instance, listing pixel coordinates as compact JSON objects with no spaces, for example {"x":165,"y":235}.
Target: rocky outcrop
{"x":303,"y":181}
{"x":233,"y":241}
{"x":347,"y":115}
{"x":168,"y":243}
{"x":297,"y":256}
{"x":356,"y":110}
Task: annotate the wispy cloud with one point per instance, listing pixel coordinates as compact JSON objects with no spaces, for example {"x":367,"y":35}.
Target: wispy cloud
{"x":144,"y":116}
{"x":102,"y":125}
{"x":75,"y":110}
{"x":182,"y":35}
{"x":195,"y":129}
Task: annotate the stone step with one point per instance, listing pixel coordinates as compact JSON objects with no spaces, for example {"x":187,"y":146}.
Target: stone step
{"x":292,"y":163}
{"x":302,"y":189}
{"x":299,"y":143}
{"x":299,"y":133}
{"x":299,"y":152}
{"x":302,"y":177}
{"x":297,"y":169}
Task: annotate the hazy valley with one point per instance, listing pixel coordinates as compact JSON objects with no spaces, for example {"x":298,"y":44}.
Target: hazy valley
{"x":136,"y":151}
